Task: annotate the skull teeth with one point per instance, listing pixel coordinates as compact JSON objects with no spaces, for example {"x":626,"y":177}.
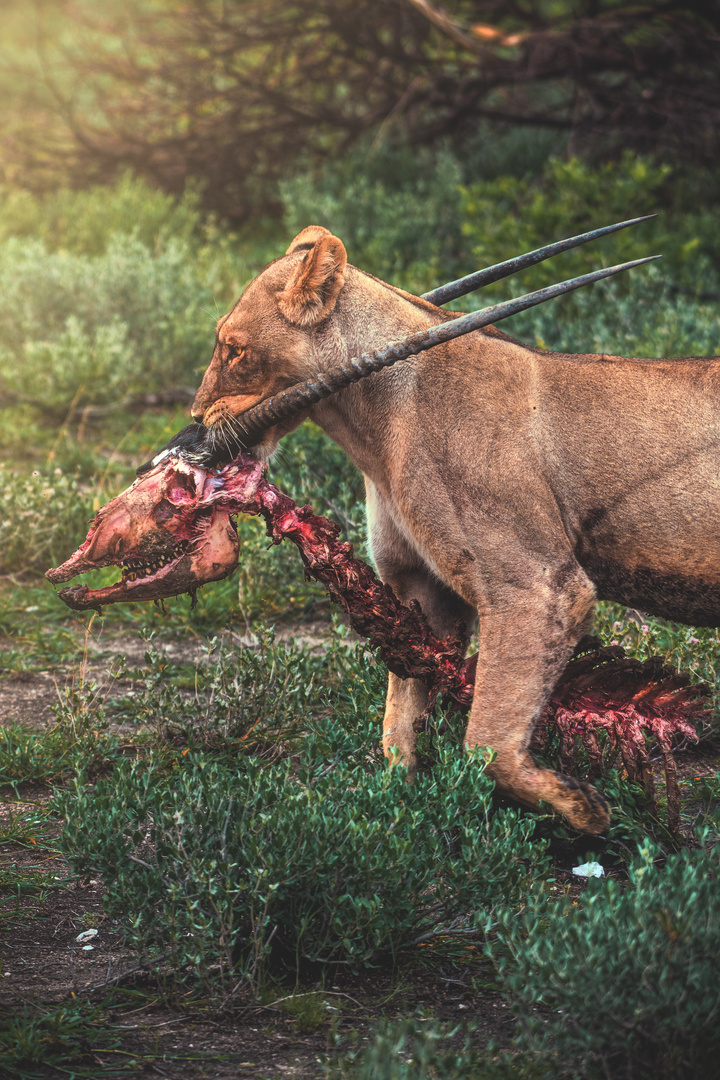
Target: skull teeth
{"x":132,"y":569}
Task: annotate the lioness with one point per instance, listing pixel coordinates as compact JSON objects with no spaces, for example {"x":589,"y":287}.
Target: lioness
{"x":504,"y":483}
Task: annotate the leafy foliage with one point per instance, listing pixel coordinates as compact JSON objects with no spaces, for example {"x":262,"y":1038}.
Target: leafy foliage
{"x":234,"y":865}
{"x":624,"y":984}
{"x":42,"y":515}
{"x":111,"y":294}
{"x":375,"y":199}
{"x":423,"y":1047}
{"x":77,"y":743}
{"x":231,"y":95}
{"x":83,"y":221}
{"x":509,"y":215}
{"x":66,"y":1038}
{"x":78,"y":330}
{"x":252,"y":695}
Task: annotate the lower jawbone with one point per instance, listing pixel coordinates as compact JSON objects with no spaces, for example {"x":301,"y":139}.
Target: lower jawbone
{"x":166,"y":533}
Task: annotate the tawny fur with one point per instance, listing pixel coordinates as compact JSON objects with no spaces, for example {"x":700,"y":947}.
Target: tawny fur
{"x":503,"y":482}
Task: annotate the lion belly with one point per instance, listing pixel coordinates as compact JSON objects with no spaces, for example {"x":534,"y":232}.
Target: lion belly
{"x":682,"y":597}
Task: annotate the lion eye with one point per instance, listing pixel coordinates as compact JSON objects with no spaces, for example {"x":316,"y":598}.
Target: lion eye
{"x":235,"y":353}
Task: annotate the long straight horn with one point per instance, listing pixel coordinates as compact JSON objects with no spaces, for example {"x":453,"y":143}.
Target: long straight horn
{"x":445,"y":293}
{"x":248,"y":428}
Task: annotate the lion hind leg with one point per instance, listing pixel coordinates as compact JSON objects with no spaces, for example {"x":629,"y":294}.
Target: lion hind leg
{"x":517,"y":776}
{"x":522,"y":652}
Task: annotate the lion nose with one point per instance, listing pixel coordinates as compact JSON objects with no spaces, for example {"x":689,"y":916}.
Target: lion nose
{"x":197,"y":415}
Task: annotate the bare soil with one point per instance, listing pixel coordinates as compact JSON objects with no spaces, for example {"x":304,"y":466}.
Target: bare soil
{"x":43,"y":964}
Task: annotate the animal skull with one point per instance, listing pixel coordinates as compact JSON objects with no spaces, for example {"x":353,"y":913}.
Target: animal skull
{"x":169,"y":533}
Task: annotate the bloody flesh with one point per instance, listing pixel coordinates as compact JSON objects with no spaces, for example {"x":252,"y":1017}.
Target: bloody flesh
{"x":172,"y":531}
{"x":180,"y":515}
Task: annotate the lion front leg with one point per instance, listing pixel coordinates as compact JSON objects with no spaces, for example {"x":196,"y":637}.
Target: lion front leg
{"x":405,"y":702}
{"x":401,"y":567}
{"x":524,"y":646}
{"x":407,"y":698}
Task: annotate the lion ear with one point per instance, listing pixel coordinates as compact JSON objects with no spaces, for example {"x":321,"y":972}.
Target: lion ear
{"x":305,"y":239}
{"x":315,"y":282}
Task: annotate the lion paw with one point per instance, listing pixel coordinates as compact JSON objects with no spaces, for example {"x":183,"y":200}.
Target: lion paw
{"x":582,"y":804}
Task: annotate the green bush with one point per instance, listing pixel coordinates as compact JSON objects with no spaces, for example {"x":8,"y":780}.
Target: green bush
{"x":66,"y":1038}
{"x":259,"y":693}
{"x":624,"y":985}
{"x":112,"y":292}
{"x":396,"y":210}
{"x":408,"y":217}
{"x":84,"y":221}
{"x":43,"y":517}
{"x":77,"y":742}
{"x":77,"y":330}
{"x":507,"y":216}
{"x":323,"y":858}
{"x":643,"y":316}
{"x":406,"y":1050}
{"x":419,"y":1048}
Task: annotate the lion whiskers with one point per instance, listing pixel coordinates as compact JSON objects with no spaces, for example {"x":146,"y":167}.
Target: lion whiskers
{"x":224,"y":432}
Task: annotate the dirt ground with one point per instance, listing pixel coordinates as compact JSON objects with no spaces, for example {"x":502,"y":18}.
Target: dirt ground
{"x":42,"y":963}
{"x":27,"y":697}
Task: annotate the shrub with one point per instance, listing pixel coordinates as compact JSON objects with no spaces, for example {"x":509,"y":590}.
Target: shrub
{"x":76,"y":330}
{"x":416,"y":1048}
{"x":78,"y":741}
{"x":508,"y":215}
{"x":66,"y":1038}
{"x":397,"y":211}
{"x":256,"y":695}
{"x":663,"y":310}
{"x":325,"y":859}
{"x":624,"y":985}
{"x":42,"y":518}
{"x":111,"y":293}
{"x":84,"y":221}
{"x":641,"y":317}
{"x":407,"y":1049}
